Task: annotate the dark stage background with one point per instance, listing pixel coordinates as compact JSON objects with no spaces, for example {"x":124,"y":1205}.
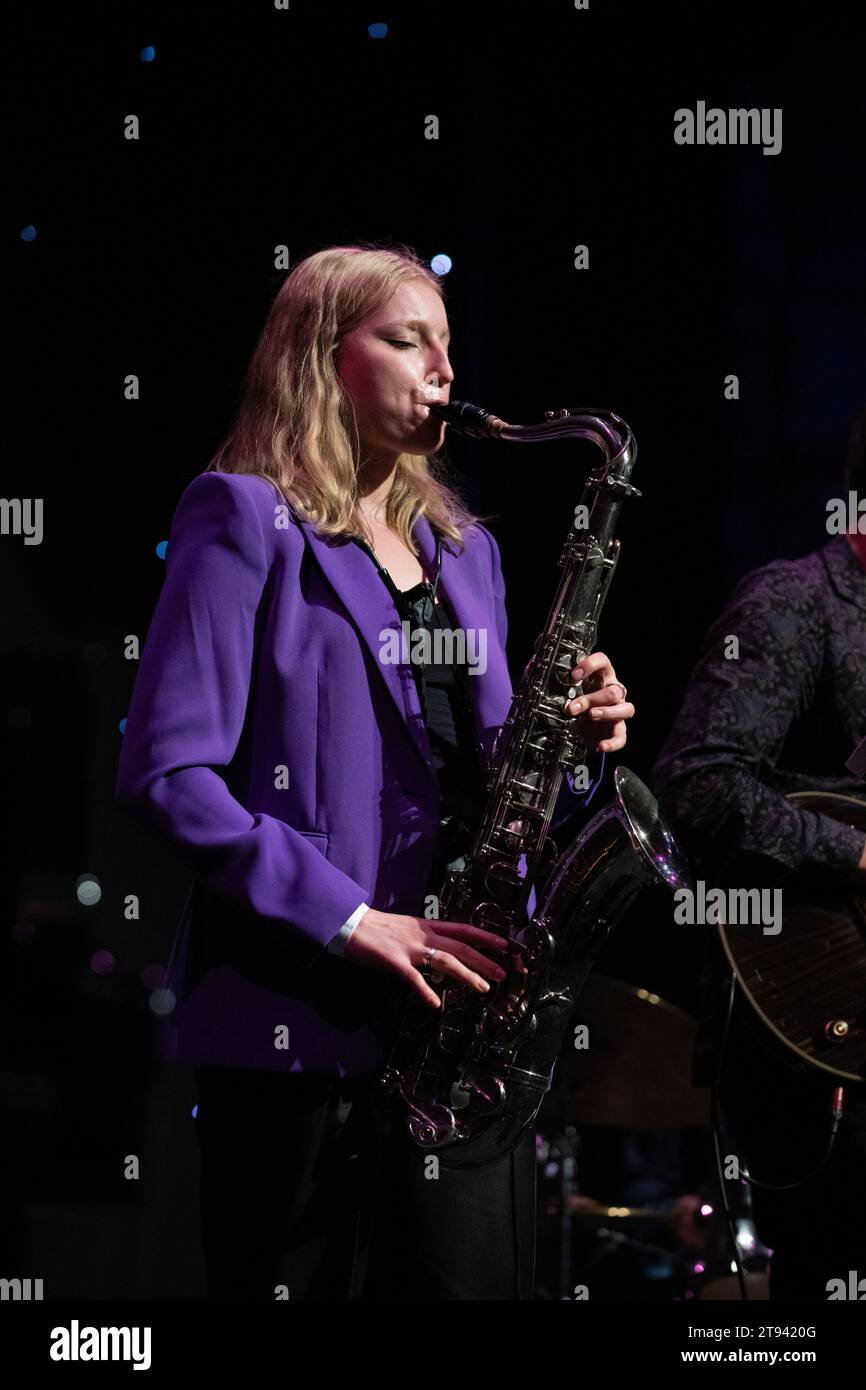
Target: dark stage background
{"x":261,"y":128}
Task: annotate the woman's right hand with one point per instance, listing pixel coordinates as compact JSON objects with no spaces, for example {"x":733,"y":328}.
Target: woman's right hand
{"x":390,"y":941}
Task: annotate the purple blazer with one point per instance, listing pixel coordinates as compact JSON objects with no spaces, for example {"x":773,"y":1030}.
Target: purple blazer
{"x":290,"y":769}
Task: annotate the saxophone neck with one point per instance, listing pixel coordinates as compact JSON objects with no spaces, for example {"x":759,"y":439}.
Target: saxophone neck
{"x":609,"y":432}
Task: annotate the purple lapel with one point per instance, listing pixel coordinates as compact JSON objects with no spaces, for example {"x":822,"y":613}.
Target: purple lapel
{"x":353,"y":578}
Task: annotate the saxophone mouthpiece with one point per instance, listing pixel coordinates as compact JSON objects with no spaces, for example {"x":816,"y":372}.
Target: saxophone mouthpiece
{"x":468,"y":419}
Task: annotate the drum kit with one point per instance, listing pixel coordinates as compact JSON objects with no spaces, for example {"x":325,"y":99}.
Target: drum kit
{"x":629,"y":1095}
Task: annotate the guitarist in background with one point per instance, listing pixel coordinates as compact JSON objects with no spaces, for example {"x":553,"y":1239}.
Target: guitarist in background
{"x":784,"y":716}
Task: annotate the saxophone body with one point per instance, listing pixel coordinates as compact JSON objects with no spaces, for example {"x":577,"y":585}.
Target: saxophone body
{"x":474,"y":1072}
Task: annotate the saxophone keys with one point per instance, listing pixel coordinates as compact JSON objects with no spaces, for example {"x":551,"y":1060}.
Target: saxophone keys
{"x":501,"y":875}
{"x":491,"y":917}
{"x":514,"y":834}
{"x":488,"y":1094}
{"x":563,"y":676}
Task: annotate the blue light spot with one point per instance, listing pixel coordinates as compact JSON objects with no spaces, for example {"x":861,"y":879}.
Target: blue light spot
{"x":122,"y":725}
{"x":441,"y":264}
{"x":148,"y":54}
{"x":161,"y":1002}
{"x":194,"y":1111}
{"x":87,"y":890}
{"x":161,"y":549}
{"x":28,"y":233}
{"x":377,"y":31}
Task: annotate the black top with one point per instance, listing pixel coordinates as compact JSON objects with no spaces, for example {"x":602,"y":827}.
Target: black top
{"x":443,"y":691}
{"x":444,"y":695}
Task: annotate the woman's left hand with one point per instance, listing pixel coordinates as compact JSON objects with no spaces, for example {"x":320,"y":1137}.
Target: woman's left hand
{"x":602,"y":706}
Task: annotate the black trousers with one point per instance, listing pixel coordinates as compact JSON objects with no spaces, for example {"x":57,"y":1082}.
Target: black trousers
{"x":311,"y":1188}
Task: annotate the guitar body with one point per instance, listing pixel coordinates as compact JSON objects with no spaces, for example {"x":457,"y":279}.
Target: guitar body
{"x":808,"y":983}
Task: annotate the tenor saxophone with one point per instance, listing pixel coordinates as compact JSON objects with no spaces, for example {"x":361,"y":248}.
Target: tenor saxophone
{"x":474,"y":1072}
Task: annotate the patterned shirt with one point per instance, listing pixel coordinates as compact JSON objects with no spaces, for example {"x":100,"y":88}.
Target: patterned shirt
{"x":781,"y":714}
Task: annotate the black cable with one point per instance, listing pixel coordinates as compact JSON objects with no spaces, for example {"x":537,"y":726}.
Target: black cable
{"x":746,"y":1176}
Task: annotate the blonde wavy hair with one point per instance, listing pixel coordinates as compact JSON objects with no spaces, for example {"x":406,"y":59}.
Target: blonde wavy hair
{"x":296,"y":427}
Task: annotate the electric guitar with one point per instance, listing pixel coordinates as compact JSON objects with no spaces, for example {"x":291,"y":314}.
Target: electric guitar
{"x":808,"y":982}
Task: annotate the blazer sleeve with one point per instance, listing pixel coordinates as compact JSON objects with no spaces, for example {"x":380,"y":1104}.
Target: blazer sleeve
{"x":571,"y":797}
{"x":187,"y":714}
